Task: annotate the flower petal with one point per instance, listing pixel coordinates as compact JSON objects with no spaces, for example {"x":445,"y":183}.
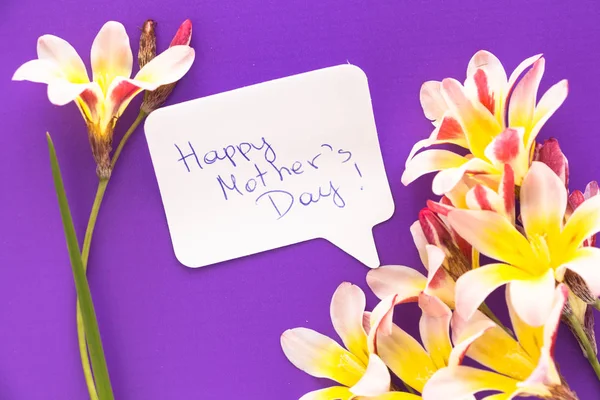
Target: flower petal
{"x":466,"y":334}
{"x":168,"y":67}
{"x":420,"y":240}
{"x":447,"y":179}
{"x":532,"y":298}
{"x":111,"y":54}
{"x":58,"y":51}
{"x":405,"y":357}
{"x":330,"y":393}
{"x":347,"y":308}
{"x":506,"y":190}
{"x":439,"y":282}
{"x":380,"y":322}
{"x":546,"y":107}
{"x":478,"y":123}
{"x":586,"y":263}
{"x":432,"y":101}
{"x":375,"y":381}
{"x":430,"y":161}
{"x":543,"y":203}
{"x":529,"y":336}
{"x":397,"y":396}
{"x":483,"y":198}
{"x":492,"y":347}
{"x":473,"y":287}
{"x":62,"y":91}
{"x":491,"y":90}
{"x":434,"y":326}
{"x":459,"y":382}
{"x":320,"y":356}
{"x":522,"y":100}
{"x":583,"y":223}
{"x":389,"y":280}
{"x":507,"y":148}
{"x":491,"y":234}
{"x":39,"y":71}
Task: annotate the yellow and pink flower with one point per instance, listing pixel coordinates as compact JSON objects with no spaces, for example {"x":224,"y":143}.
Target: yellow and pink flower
{"x":102,"y":100}
{"x":495,"y":118}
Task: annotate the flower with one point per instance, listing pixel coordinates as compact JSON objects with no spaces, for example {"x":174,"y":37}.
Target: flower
{"x":361,"y":373}
{"x":496,"y":119}
{"x":412,"y":362}
{"x":533,"y":260}
{"x":541,"y":379}
{"x":103,"y":100}
{"x":156,"y":98}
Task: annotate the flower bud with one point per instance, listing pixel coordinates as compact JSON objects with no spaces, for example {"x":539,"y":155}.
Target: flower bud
{"x":156,"y":98}
{"x":438,"y":234}
{"x":579,"y":287}
{"x":147,"y":49}
{"x":550,"y":154}
{"x":584,"y":315}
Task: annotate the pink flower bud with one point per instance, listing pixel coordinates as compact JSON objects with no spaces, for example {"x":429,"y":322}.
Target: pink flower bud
{"x":156,"y":98}
{"x":550,"y":154}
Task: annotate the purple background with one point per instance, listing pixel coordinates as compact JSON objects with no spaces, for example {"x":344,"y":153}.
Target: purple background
{"x":213,"y":333}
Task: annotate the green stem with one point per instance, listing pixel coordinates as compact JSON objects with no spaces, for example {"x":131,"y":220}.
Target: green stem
{"x":585,"y":343}
{"x":85,"y":254}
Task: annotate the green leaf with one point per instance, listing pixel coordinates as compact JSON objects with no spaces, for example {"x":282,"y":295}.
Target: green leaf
{"x":81,"y":284}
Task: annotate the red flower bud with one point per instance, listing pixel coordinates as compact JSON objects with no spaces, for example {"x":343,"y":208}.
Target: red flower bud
{"x":550,"y":154}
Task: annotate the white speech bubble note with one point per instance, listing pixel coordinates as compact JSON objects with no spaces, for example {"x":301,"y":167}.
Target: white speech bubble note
{"x":271,"y":165}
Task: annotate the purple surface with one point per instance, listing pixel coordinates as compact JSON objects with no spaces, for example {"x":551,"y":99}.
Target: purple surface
{"x":213,"y":333}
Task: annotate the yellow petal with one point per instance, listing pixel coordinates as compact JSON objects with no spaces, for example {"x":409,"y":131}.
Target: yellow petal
{"x":522,"y":100}
{"x":478,"y":123}
{"x":492,"y":235}
{"x":320,"y":356}
{"x":546,"y":107}
{"x":434,"y":327}
{"x":529,"y":337}
{"x":330,"y":393}
{"x":347,"y":309}
{"x":543,"y":203}
{"x":494,"y":348}
{"x":394,"y":396}
{"x":406,"y":358}
{"x":583,"y":223}
{"x":111,"y":54}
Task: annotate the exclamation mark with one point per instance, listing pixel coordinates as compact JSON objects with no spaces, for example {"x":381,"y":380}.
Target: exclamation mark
{"x":359,"y":173}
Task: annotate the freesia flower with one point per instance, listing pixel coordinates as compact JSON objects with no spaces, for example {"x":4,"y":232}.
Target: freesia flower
{"x":102,"y":100}
{"x":542,"y":379}
{"x":361,"y":374}
{"x":412,"y":362}
{"x":532,"y":261}
{"x":496,"y":119}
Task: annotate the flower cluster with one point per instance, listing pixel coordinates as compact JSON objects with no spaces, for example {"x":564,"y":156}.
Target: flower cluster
{"x":508,"y":199}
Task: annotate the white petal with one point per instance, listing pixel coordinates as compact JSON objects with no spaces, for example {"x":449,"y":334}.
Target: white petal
{"x":61,"y":91}
{"x":168,"y":67}
{"x":39,"y":71}
{"x":375,"y":381}
{"x":60,"y":52}
{"x":111,"y":54}
{"x":532,"y":298}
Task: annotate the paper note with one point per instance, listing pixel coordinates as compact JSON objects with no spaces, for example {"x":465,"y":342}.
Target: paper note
{"x":271,"y":165}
